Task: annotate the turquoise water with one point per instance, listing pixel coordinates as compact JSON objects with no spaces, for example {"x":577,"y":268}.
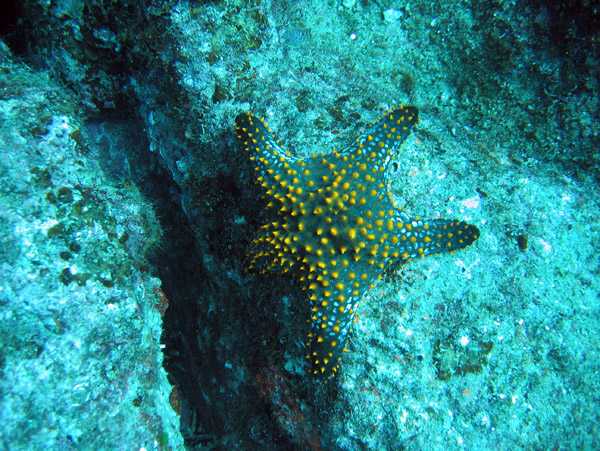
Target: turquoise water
{"x":129,"y":320}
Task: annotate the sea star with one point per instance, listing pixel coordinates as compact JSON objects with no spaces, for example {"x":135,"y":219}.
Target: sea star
{"x":335,"y":226}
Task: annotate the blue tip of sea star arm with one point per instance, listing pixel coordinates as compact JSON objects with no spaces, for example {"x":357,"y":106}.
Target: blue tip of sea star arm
{"x":382,"y":141}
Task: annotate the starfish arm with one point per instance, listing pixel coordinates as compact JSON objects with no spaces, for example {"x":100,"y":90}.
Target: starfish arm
{"x":381,"y":142}
{"x":331,"y":322}
{"x":417,"y":238}
{"x":271,"y":161}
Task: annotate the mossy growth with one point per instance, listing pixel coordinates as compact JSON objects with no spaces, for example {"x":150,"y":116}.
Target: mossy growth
{"x":452,"y":358}
{"x":90,"y":241}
